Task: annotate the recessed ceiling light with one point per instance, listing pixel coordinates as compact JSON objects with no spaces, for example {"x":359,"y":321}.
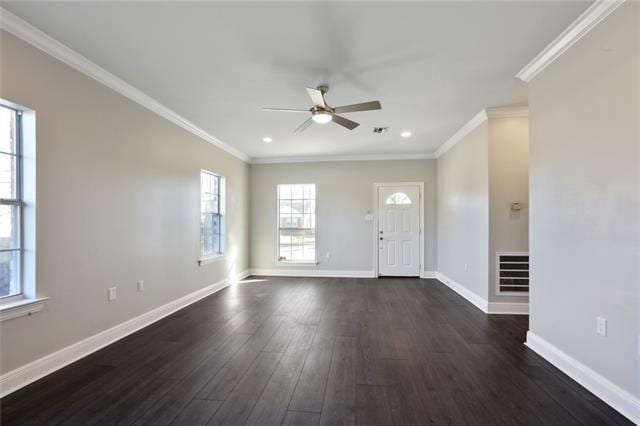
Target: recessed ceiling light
{"x":405,"y":134}
{"x":267,"y":139}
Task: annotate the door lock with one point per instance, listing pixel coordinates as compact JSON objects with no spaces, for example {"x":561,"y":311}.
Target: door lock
{"x":380,"y":238}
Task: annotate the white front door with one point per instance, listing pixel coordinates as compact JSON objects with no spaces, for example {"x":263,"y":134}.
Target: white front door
{"x":399,"y":231}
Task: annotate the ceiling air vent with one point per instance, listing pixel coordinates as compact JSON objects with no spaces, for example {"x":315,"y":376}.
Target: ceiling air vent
{"x":380,"y":130}
{"x":512,"y":273}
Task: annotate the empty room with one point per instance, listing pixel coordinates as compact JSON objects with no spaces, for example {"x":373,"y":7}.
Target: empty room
{"x":320,"y":212}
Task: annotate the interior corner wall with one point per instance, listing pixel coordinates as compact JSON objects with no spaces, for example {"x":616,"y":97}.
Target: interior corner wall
{"x":118,"y":193}
{"x":508,"y":183}
{"x":344,"y":191}
{"x":585,"y":199}
{"x":463,"y":212}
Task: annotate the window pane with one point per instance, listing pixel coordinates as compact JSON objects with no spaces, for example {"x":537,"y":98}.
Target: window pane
{"x":7,"y":130}
{"x":284,"y":246}
{"x":296,"y":191}
{"x":309,"y":245}
{"x":297,"y":238}
{"x":206,"y":234}
{"x":296,"y":206}
{"x":9,"y":227}
{"x":286,"y":221}
{"x":215,"y":219}
{"x":285,"y":207}
{"x":309,"y":206}
{"x":7,"y":176}
{"x":9,"y":278}
{"x":284,"y":191}
{"x":308,"y":221}
{"x":309,"y":192}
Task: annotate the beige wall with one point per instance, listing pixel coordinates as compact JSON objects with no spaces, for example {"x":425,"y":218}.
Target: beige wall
{"x":585,"y":199}
{"x":508,"y":182}
{"x":118,"y":201}
{"x":344,"y":195}
{"x":463,"y":211}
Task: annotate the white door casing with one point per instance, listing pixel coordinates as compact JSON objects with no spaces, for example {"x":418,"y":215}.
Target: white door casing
{"x":398,"y":230}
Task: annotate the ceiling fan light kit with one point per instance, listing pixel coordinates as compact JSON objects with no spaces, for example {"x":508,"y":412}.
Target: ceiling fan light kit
{"x":322,"y":113}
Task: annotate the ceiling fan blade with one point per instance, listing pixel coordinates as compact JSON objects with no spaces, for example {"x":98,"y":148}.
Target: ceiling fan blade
{"x":316,"y":97}
{"x":345,"y":122}
{"x":284,"y":110}
{"x":365,"y":106}
{"x":304,"y":125}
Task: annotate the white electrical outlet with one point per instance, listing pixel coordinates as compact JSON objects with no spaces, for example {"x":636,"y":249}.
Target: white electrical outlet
{"x":113,"y":293}
{"x":328,"y":255}
{"x":466,"y":267}
{"x":601,"y":326}
{"x":141,"y":285}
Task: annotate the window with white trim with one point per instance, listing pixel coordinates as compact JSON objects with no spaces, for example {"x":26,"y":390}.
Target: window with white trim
{"x":212,"y":214}
{"x":11,"y":203}
{"x":297,"y":223}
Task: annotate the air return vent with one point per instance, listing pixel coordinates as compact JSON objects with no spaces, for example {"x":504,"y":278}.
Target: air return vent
{"x":512,"y":273}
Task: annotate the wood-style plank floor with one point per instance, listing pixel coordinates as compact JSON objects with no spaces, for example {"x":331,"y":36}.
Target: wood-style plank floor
{"x":313,"y":351}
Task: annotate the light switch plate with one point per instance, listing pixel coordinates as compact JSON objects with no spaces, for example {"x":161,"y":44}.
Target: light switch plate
{"x":113,"y":293}
{"x":601,"y":326}
{"x":141,"y":285}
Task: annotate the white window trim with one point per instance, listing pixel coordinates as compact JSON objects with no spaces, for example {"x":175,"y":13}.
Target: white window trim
{"x":211,"y":259}
{"x":281,"y":262}
{"x":204,"y":260}
{"x":13,"y":308}
{"x":28,"y":302}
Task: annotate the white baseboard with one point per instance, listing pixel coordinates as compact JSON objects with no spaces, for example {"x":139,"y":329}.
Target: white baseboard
{"x":626,"y":403}
{"x":286,"y":272}
{"x":428,"y":274}
{"x":508,"y":308}
{"x":22,"y":376}
{"x":481,"y":303}
{"x":472,"y":297}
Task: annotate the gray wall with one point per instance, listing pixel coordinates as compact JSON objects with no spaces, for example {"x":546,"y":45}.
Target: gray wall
{"x":508,"y":182}
{"x":463,"y":211}
{"x":344,"y":194}
{"x":118,"y":201}
{"x":585,"y":199}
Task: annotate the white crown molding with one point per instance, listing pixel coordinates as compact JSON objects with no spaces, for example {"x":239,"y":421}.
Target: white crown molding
{"x":285,"y":272}
{"x":508,"y":112}
{"x":35,"y":37}
{"x":591,"y":17}
{"x":477,"y":120}
{"x":621,"y":400}
{"x":22,"y":376}
{"x":329,"y":158}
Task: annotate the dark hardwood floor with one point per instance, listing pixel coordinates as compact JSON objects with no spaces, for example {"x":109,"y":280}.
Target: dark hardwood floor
{"x":302,"y":351}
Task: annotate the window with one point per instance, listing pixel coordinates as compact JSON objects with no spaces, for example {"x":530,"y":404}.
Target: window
{"x":398,"y":198}
{"x":297,"y":223}
{"x":212,"y":214}
{"x":10,"y":202}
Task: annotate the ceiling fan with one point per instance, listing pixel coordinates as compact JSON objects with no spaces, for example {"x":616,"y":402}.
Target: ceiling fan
{"x":322,"y":113}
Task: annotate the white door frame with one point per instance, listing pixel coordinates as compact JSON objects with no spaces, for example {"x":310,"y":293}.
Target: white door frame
{"x":376,"y":245}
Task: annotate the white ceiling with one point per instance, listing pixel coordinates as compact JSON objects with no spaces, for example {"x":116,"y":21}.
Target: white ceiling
{"x":433,"y":65}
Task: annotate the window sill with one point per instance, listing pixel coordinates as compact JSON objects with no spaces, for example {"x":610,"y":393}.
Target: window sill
{"x":210,"y":259}
{"x":21,"y":307}
{"x":297,"y":262}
